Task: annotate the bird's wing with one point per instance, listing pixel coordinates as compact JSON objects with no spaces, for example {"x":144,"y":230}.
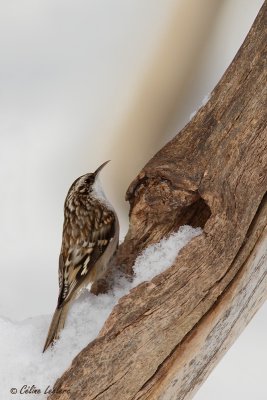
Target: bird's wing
{"x":60,"y":270}
{"x":78,"y":256}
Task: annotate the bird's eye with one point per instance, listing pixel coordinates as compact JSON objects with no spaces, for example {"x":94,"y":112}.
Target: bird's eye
{"x":89,"y":180}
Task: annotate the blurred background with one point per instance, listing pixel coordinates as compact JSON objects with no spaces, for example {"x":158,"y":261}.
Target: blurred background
{"x":85,"y":81}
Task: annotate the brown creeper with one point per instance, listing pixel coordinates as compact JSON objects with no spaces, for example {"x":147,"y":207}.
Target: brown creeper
{"x":90,"y":238}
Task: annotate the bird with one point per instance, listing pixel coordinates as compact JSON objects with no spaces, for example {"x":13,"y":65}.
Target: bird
{"x":89,"y":240}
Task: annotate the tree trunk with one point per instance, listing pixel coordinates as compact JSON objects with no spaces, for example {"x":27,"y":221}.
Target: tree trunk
{"x":162,"y":340}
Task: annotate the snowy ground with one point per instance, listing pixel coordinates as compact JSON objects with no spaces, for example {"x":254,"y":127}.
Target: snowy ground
{"x":24,"y":367}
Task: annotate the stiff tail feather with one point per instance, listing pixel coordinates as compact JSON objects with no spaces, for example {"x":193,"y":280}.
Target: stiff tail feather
{"x":57,"y":324}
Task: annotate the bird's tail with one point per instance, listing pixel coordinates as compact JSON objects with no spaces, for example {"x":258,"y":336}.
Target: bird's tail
{"x":57,"y":324}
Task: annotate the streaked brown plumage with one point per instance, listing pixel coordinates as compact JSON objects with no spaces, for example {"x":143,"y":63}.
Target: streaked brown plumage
{"x":90,"y":238}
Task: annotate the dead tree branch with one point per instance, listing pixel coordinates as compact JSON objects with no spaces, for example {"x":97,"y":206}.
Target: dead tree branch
{"x":163,"y":338}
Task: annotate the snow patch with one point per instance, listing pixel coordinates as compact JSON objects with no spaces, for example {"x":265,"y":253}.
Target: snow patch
{"x":203,"y":102}
{"x":22,"y":363}
{"x":160,"y":256}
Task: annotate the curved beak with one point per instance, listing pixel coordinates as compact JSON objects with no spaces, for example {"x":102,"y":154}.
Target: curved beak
{"x":99,"y":168}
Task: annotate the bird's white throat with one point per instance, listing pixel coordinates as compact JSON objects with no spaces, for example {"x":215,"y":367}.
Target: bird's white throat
{"x":98,"y":193}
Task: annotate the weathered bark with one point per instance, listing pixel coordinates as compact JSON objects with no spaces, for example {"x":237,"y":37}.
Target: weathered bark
{"x":162,"y":339}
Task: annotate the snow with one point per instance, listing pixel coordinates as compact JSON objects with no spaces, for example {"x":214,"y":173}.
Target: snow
{"x":24,"y":367}
{"x":158,"y":257}
{"x":203,"y":102}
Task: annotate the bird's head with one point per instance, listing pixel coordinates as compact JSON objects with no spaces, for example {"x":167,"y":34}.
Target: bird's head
{"x":85,"y":183}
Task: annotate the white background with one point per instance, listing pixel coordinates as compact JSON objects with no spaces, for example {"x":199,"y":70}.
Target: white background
{"x":86,"y":81}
